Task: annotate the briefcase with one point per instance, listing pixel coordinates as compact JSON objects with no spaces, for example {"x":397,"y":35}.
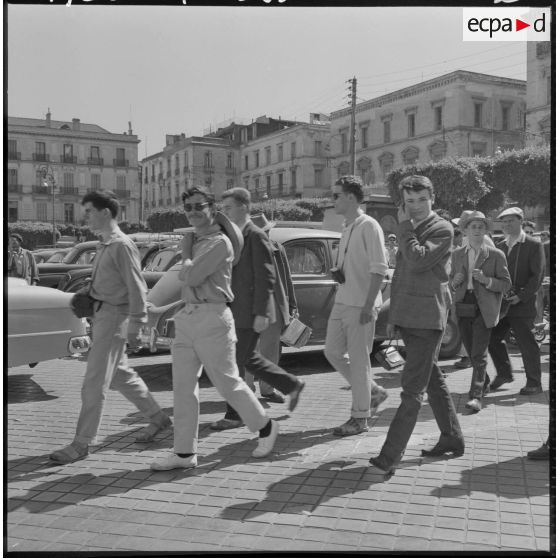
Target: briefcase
{"x":389,"y":358}
{"x":296,"y":334}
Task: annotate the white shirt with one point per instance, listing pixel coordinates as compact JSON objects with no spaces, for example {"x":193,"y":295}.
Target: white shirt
{"x":365,"y":254}
{"x":518,"y":240}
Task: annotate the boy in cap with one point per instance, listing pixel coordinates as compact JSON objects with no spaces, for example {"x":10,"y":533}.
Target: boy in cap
{"x":479,"y":275}
{"x":525,"y":257}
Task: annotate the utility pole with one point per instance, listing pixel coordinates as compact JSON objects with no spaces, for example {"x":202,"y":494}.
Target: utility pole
{"x":352,"y":147}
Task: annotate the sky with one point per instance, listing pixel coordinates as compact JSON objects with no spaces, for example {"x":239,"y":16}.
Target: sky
{"x":182,"y":69}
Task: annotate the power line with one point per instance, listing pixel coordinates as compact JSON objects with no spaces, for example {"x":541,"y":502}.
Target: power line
{"x":364,"y":78}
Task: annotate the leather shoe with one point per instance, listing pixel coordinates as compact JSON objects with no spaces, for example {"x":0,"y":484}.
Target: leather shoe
{"x":541,"y":454}
{"x":530,"y":390}
{"x":295,"y":394}
{"x":455,"y":446}
{"x":474,"y":405}
{"x":381,"y":463}
{"x":274,"y":397}
{"x":499,"y":381}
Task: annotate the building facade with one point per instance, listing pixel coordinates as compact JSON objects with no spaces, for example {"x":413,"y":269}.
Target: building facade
{"x":287,"y":163}
{"x":203,"y":161}
{"x":458,"y":114}
{"x":51,"y":164}
{"x":539,"y":93}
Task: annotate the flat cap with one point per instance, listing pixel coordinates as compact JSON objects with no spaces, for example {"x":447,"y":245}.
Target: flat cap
{"x":517,"y":211}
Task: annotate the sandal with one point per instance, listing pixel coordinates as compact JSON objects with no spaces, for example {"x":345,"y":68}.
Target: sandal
{"x":148,"y":433}
{"x":69,"y":454}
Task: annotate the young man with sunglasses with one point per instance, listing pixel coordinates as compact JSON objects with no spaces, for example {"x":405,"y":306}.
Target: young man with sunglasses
{"x":360,"y":269}
{"x":205,"y":335}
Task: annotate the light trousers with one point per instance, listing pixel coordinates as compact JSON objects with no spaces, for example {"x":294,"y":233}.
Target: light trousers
{"x":347,"y":347}
{"x":107,"y":367}
{"x":205,"y":337}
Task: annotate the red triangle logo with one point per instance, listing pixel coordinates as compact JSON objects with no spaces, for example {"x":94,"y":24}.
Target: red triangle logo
{"x":519,"y":25}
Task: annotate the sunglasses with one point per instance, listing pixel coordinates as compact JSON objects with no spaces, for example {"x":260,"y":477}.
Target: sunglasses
{"x":195,"y":206}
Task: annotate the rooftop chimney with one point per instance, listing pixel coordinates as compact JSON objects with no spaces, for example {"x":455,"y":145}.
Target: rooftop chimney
{"x":130,"y":129}
{"x":75,"y":124}
{"x":48,"y":118}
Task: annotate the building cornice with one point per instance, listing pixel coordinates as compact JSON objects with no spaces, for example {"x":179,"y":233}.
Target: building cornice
{"x":72,"y":134}
{"x":423,"y":87}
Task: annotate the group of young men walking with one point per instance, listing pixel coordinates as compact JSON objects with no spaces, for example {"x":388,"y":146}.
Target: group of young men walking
{"x":236,"y":287}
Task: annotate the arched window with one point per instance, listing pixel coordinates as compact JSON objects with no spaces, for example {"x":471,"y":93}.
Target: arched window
{"x":386,"y":163}
{"x":437,"y":150}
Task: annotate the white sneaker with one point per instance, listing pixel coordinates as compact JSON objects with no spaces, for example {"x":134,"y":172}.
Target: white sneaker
{"x":265,"y":445}
{"x":173,"y":461}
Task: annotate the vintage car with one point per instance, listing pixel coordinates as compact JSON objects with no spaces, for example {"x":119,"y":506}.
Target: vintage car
{"x":43,"y":255}
{"x":311,"y":254}
{"x":41,"y":325}
{"x":156,"y":258}
{"x":80,"y":256}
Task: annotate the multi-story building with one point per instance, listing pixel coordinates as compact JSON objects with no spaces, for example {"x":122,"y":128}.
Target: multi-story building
{"x":73,"y":158}
{"x":460,"y":113}
{"x":289,"y":162}
{"x":204,"y":161}
{"x":539,"y":93}
{"x":271,"y":157}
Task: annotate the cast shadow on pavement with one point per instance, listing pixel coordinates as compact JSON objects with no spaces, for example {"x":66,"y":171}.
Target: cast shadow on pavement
{"x":22,"y":389}
{"x":87,"y":486}
{"x":505,"y":479}
{"x":303,"y":492}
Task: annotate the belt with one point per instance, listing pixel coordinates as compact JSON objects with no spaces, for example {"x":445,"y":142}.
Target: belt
{"x":190,"y":307}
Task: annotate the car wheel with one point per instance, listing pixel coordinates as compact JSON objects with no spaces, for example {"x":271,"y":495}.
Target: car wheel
{"x":451,"y":341}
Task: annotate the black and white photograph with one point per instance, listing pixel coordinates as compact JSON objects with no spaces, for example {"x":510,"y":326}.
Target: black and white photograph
{"x":352,"y":205}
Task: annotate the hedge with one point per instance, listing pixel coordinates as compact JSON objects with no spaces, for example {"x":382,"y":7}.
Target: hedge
{"x":485,"y":183}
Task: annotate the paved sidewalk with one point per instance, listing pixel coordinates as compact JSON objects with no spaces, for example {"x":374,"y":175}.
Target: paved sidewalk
{"x":316,"y":492}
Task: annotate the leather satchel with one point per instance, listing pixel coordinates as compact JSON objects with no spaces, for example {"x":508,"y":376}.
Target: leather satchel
{"x":389,"y":358}
{"x":296,"y":334}
{"x":466,"y":310}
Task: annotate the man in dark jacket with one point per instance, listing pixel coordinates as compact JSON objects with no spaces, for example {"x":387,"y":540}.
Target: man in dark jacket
{"x":525,"y":257}
{"x":285,"y":309}
{"x":253,"y":281}
{"x":420,"y":298}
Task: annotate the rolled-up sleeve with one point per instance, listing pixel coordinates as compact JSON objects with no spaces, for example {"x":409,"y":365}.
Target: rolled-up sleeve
{"x":205,"y":262}
{"x":374,"y":247}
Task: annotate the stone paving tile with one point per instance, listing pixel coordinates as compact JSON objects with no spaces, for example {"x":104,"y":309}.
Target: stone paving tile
{"x":315,"y":493}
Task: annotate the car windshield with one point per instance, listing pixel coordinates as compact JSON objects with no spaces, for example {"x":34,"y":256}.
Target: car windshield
{"x":77,"y":255}
{"x":56,"y":257}
{"x":162,"y":260}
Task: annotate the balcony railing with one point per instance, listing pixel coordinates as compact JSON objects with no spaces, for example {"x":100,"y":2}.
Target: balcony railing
{"x":15,"y":188}
{"x":120,"y":163}
{"x":69,"y":191}
{"x":42,"y":190}
{"x":122,"y":193}
{"x":14,"y":155}
{"x":95,"y":161}
{"x":44,"y":157}
{"x":71,"y":159}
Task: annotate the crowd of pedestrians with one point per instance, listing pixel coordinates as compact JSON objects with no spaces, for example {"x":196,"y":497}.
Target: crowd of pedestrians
{"x":238,"y":297}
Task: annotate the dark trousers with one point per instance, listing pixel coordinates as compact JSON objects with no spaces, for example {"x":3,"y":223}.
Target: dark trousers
{"x":421,"y":374}
{"x":530,"y":352}
{"x":248,"y":358}
{"x":476,"y":336}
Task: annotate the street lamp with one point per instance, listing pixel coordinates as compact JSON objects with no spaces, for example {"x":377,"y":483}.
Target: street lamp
{"x":47,"y":175}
